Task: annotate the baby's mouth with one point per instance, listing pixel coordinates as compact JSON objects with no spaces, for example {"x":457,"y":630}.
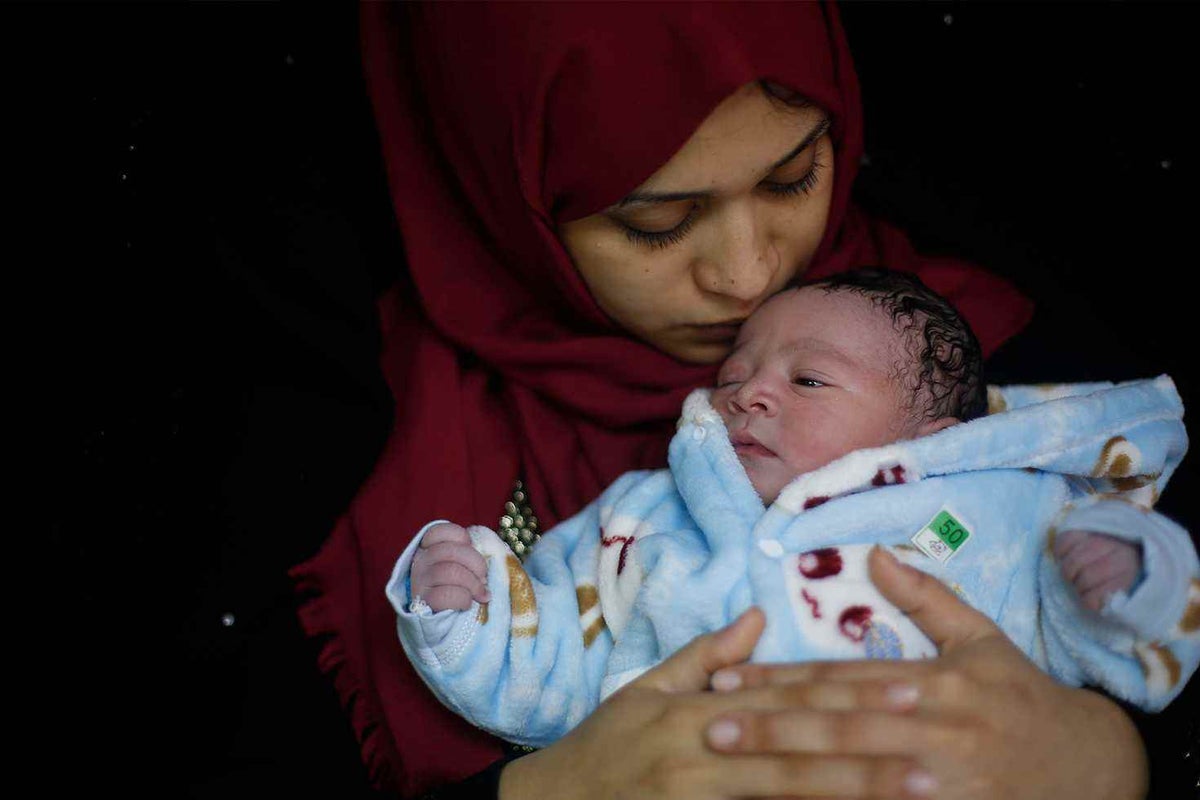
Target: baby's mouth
{"x":745,"y":444}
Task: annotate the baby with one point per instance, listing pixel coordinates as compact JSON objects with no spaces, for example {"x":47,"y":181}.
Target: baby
{"x":832,"y":389}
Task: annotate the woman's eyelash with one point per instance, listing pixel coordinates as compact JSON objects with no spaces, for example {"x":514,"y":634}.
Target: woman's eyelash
{"x":805,"y":184}
{"x":660,"y":239}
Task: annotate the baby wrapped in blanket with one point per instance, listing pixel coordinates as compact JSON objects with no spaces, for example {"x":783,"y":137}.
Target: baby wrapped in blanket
{"x":850,"y":413}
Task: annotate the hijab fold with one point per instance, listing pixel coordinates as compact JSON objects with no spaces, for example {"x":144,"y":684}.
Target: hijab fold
{"x":499,"y":122}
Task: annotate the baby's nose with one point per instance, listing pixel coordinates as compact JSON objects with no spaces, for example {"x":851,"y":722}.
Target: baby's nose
{"x":754,"y":397}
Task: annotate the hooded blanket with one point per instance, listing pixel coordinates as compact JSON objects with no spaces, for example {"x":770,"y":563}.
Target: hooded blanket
{"x":666,"y":555}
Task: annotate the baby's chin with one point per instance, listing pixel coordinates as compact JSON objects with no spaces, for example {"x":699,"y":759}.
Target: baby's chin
{"x":769,"y":494}
{"x":767,"y":485}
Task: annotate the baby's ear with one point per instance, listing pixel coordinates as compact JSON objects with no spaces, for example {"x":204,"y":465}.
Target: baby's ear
{"x":935,"y":425}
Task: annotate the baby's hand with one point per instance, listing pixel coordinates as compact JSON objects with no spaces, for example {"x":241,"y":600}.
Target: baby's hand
{"x":447,"y":572}
{"x":1097,"y":565}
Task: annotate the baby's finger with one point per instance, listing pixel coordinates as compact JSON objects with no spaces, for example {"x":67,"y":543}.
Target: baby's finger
{"x":451,"y":573}
{"x":1066,"y":541}
{"x":445,"y":532}
{"x":1080,"y":559}
{"x":1097,"y":597}
{"x":441,"y":598}
{"x":464,"y":554}
{"x":1101,"y":572}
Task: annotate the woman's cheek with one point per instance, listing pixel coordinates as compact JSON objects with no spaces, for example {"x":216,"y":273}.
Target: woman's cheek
{"x":799,"y":244}
{"x":813,"y":217}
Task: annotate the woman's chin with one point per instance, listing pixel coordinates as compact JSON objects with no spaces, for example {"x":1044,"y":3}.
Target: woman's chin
{"x":701,"y":352}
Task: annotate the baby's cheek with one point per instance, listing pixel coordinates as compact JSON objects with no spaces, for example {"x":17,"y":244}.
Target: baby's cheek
{"x":806,"y":450}
{"x":720,"y":403}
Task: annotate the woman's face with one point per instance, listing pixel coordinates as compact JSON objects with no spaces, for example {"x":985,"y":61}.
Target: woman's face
{"x":733,"y":216}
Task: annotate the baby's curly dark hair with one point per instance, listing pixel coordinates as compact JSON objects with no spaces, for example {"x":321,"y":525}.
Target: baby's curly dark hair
{"x":948,"y":381}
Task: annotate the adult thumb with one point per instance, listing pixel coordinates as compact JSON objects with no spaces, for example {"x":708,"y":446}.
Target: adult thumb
{"x":928,"y":602}
{"x":689,"y":669}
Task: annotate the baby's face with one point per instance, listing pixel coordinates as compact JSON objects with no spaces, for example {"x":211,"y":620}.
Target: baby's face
{"x":809,"y":380}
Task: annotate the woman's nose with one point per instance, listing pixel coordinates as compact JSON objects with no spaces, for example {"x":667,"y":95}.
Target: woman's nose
{"x":743,"y":263}
{"x":753,"y":397}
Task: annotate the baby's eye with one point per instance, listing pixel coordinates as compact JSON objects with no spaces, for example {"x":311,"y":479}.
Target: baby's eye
{"x":730,"y":374}
{"x":811,"y":383}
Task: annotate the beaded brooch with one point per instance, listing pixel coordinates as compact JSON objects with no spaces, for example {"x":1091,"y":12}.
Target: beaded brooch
{"x":518,"y":526}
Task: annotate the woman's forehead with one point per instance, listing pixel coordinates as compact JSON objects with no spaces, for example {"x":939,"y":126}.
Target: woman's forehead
{"x":744,"y":138}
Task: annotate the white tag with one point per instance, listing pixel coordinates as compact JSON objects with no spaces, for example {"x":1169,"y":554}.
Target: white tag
{"x":942,"y":536}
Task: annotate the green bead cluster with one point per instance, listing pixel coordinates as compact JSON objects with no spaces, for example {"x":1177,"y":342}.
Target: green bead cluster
{"x":518,"y":526}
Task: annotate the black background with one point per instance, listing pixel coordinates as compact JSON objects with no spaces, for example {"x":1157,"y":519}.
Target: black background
{"x":219,"y":225}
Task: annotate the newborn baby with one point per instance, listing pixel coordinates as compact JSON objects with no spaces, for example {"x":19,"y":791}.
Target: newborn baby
{"x":819,"y":371}
{"x":825,"y":381}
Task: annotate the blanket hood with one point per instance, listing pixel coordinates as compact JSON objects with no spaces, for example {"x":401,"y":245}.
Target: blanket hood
{"x":1120,"y":440}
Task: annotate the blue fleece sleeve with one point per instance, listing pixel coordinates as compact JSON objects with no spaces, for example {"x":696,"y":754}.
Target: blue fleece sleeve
{"x":1145,"y":644}
{"x":525,"y":666}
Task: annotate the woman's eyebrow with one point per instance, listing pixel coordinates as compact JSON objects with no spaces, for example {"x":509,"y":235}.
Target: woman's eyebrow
{"x":632,"y":198}
{"x":816,"y":133}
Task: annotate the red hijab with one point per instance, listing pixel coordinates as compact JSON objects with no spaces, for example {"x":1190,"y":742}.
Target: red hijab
{"x":498,"y":122}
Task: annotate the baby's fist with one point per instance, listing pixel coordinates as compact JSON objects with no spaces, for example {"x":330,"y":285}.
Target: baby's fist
{"x":1097,"y":565}
{"x":447,"y":571}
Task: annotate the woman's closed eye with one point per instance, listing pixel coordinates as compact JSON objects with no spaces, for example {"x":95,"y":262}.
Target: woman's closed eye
{"x":804,"y":184}
{"x":662,"y":224}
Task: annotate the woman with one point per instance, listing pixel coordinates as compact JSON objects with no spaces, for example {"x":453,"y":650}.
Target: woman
{"x":590,"y":201}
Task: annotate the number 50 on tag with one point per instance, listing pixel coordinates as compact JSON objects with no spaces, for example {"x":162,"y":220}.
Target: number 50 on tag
{"x":942,"y":537}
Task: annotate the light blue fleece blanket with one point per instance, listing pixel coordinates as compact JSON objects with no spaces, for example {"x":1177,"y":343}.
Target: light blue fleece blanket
{"x":664,"y":556}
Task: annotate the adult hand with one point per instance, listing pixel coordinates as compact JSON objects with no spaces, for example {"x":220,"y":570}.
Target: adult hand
{"x":987,"y":723}
{"x":648,"y":740}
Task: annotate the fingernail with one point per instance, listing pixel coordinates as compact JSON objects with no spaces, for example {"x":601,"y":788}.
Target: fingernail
{"x":901,"y":566}
{"x":920,"y":782}
{"x":903,"y":695}
{"x":487,"y":596}
{"x":726,"y":680}
{"x":724,"y":733}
